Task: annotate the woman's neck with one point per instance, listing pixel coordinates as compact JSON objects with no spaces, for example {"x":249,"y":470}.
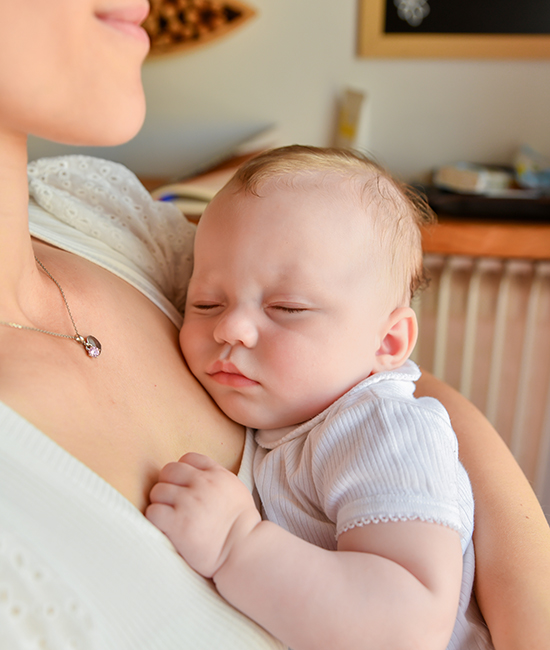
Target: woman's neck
{"x":13,"y":173}
{"x":15,"y":244}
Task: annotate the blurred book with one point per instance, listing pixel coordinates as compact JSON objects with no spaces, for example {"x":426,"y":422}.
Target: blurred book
{"x":192,"y":195}
{"x":471,"y":178}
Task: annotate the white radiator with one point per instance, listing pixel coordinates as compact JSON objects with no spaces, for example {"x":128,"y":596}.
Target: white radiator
{"x":485,"y":329}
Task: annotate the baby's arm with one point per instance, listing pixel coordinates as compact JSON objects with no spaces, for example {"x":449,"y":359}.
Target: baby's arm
{"x":390,"y":585}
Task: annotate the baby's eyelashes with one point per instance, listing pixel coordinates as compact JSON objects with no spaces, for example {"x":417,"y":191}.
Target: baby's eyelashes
{"x":206,"y":306}
{"x":289,"y":308}
{"x":217,"y":307}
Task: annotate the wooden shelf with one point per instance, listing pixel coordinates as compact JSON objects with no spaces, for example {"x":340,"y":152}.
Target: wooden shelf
{"x":488,"y":239}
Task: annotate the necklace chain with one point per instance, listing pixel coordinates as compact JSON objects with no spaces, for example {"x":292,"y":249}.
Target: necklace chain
{"x":91,"y":344}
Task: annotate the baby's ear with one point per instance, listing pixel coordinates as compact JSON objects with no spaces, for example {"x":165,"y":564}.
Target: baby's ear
{"x":399,"y":337}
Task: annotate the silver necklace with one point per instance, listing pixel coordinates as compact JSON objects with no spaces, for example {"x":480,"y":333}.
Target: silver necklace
{"x":90,"y":343}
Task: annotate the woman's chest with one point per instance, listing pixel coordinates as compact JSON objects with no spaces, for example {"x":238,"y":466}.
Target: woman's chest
{"x":126,"y":426}
{"x":126,"y":413}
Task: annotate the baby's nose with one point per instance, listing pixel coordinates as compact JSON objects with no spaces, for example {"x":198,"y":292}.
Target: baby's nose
{"x":236,"y":327}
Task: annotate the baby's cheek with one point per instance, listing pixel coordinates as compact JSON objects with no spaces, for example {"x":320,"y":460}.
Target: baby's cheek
{"x":184,"y":340}
{"x":182,"y":337}
{"x":192,"y":342}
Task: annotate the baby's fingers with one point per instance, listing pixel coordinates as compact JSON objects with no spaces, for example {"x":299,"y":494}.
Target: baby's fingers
{"x":199,"y":461}
{"x":189,"y":467}
{"x":179,"y":473}
{"x":161,"y":515}
{"x":166,"y":493}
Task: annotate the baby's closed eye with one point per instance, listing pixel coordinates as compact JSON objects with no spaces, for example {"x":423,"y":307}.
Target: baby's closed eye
{"x":289,"y":309}
{"x":205,"y":307}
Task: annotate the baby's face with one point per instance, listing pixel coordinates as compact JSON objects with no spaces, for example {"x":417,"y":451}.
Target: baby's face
{"x":285,"y":310}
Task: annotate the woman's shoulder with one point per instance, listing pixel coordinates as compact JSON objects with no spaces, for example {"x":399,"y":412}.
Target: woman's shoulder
{"x":99,"y":210}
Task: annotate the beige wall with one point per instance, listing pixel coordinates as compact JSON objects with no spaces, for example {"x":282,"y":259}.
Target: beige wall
{"x":289,"y":65}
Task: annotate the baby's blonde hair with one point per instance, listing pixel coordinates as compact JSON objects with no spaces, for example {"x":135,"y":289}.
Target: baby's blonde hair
{"x":400,"y":212}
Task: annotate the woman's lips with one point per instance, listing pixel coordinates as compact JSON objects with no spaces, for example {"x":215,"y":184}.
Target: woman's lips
{"x":127,"y":20}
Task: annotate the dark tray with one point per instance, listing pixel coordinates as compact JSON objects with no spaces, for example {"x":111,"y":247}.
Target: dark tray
{"x":471,"y":206}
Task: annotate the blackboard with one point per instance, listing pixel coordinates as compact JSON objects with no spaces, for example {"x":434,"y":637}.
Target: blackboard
{"x":467,"y":17}
{"x":483,"y":29}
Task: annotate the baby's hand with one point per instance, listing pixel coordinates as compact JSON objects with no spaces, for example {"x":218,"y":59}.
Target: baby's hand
{"x":204,"y":509}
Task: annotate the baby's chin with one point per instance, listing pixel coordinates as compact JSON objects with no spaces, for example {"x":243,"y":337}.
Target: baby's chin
{"x":255,"y":421}
{"x":251,"y":411}
{"x":280,"y":426}
{"x":262,"y":424}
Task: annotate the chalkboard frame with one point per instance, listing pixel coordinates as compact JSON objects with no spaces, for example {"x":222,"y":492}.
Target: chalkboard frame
{"x":373,"y":41}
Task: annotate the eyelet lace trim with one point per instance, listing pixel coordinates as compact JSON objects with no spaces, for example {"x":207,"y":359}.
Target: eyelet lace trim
{"x":384,"y":519}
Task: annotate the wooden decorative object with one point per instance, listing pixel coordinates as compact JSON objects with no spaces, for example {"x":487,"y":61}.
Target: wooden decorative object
{"x":179,"y":25}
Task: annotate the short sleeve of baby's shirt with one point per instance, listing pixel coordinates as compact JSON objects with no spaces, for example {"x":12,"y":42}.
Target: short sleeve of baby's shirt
{"x":382,"y":455}
{"x":99,"y":210}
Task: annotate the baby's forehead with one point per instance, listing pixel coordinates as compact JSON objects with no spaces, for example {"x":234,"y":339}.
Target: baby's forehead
{"x":366,"y":189}
{"x":321,"y":199}
{"x":343,"y":196}
{"x":314,"y":181}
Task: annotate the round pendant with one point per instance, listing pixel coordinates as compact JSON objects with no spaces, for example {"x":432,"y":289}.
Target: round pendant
{"x":93,"y":346}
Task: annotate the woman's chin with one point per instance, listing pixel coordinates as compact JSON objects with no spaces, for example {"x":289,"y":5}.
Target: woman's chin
{"x":111,"y":130}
